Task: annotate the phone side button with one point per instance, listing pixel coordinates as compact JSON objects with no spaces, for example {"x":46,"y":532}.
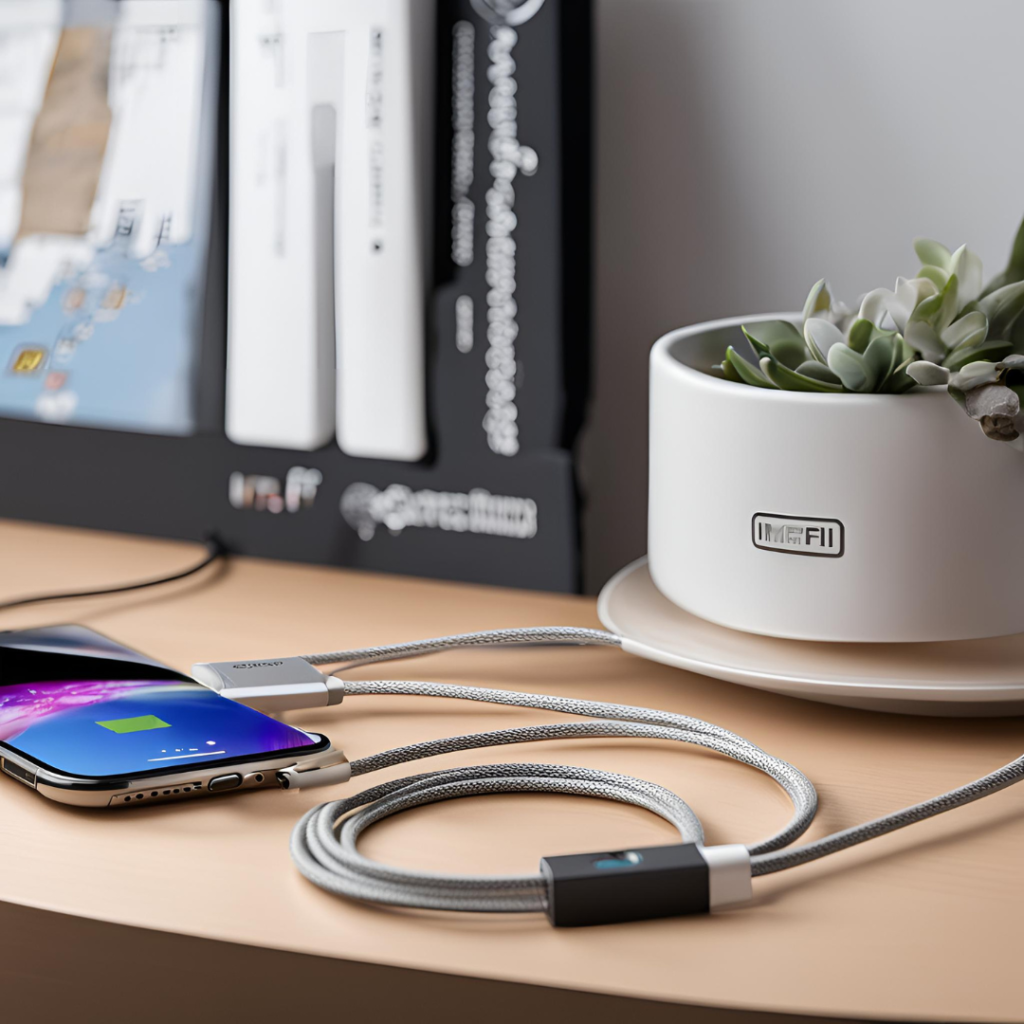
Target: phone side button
{"x":223,"y":782}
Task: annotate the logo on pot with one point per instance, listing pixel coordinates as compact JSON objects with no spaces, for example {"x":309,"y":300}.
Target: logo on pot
{"x":799,"y":535}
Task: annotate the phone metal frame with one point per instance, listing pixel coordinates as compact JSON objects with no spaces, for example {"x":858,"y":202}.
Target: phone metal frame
{"x":257,"y":772}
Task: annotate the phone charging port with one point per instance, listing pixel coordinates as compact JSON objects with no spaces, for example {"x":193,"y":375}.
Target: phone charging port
{"x":19,"y":773}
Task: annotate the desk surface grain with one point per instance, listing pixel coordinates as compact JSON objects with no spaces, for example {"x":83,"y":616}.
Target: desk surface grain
{"x":922,"y":924}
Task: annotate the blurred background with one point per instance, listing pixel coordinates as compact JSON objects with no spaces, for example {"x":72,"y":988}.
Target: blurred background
{"x":373,"y":282}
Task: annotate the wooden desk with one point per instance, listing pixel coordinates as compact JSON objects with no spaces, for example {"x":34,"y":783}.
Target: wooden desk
{"x":195,"y":911}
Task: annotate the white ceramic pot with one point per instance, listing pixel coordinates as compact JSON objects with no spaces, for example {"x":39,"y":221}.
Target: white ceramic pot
{"x":827,"y":517}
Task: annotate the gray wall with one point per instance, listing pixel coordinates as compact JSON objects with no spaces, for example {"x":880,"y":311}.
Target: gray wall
{"x":746,"y":148}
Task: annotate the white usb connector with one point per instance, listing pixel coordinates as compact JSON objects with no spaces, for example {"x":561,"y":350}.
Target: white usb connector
{"x":282,"y":684}
{"x":326,"y":770}
{"x":273,"y":685}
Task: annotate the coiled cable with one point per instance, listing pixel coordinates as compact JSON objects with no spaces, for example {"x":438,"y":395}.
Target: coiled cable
{"x":324,"y":842}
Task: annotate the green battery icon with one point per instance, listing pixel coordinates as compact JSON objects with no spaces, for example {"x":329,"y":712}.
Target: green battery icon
{"x":141,"y":724}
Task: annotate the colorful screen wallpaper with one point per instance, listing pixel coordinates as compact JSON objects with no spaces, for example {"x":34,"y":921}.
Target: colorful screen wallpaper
{"x":83,"y":705}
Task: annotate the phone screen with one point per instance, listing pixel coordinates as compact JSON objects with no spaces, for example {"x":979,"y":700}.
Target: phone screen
{"x":81,"y":704}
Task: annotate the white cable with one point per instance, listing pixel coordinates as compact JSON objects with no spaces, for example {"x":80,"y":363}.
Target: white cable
{"x":324,"y":841}
{"x":538,"y":636}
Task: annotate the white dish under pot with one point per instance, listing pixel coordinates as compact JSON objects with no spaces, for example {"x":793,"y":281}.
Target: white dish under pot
{"x":859,"y":518}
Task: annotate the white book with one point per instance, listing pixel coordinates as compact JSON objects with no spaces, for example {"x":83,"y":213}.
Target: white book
{"x":330,"y":183}
{"x":383,"y":184}
{"x":280,"y":365}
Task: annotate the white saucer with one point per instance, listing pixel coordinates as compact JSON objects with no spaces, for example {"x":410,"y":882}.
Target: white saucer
{"x":965,"y":677}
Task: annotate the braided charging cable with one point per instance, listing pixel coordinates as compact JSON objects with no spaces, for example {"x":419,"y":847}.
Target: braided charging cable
{"x":530,"y":636}
{"x":324,"y":841}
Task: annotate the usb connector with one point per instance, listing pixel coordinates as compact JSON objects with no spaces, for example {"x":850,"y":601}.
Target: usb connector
{"x":323,"y":770}
{"x":271,"y":685}
{"x":637,"y":885}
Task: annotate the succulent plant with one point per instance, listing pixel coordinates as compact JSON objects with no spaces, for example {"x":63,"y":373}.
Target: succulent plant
{"x":988,"y":392}
{"x":831,"y":351}
{"x":942,"y":327}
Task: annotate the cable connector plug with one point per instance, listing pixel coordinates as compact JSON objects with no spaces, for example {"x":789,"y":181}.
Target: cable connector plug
{"x":637,"y":885}
{"x":272,"y":685}
{"x":328,"y":769}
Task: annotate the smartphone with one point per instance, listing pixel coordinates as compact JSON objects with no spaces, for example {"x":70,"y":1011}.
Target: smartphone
{"x":87,"y":721}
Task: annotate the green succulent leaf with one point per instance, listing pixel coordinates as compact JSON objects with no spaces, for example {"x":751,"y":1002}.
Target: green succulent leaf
{"x":746,"y":372}
{"x":961,"y":357}
{"x":908,"y":295}
{"x":819,"y":371}
{"x":966,"y":265}
{"x":1014,"y":271}
{"x":975,"y":374}
{"x":1003,"y":307}
{"x":968,"y":331}
{"x":1016,"y":264}
{"x":921,"y":337}
{"x":878,"y":357}
{"x":899,"y":380}
{"x":763,"y":335}
{"x":875,"y":305}
{"x":928,"y":374}
{"x":790,"y":352}
{"x":948,"y":308}
{"x":879,"y":333}
{"x":789,"y":380}
{"x":936,"y":275}
{"x":898,"y":356}
{"x":851,"y":368}
{"x":820,"y":335}
{"x":949,"y":331}
{"x":728,"y":371}
{"x":931,"y":253}
{"x":819,"y":300}
{"x":1001,"y":280}
{"x":860,"y":335}
{"x":938,"y":310}
{"x":1016,"y":335}
{"x":927,"y":310}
